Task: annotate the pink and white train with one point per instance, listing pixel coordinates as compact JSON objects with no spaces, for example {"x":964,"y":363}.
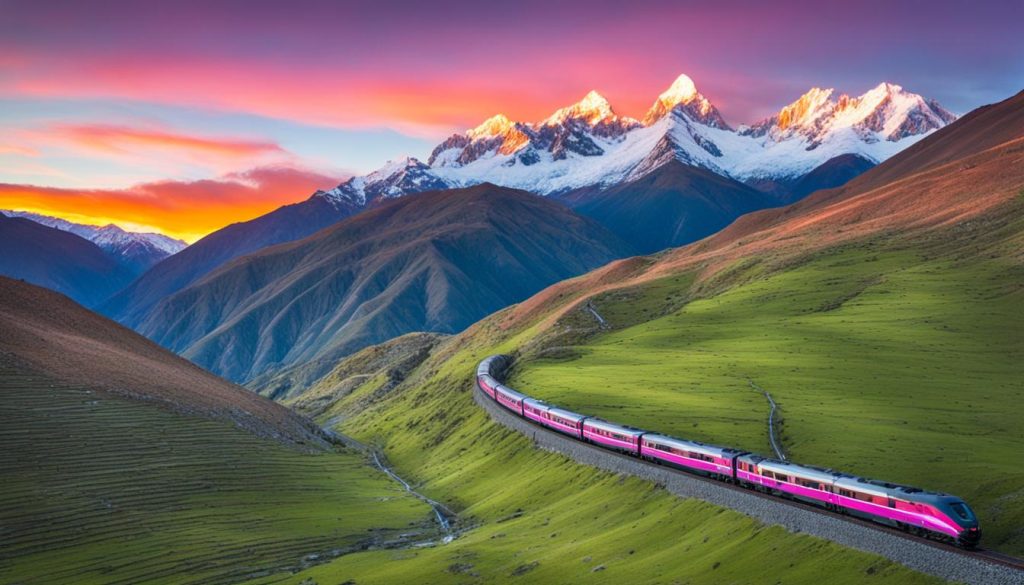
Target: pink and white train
{"x":927,"y":514}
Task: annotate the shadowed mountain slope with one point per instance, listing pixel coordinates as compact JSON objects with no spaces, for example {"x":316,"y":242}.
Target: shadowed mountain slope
{"x":434,"y":262}
{"x":58,"y":260}
{"x":287,"y":223}
{"x":47,"y":333}
{"x":673,"y":205}
{"x":836,"y":172}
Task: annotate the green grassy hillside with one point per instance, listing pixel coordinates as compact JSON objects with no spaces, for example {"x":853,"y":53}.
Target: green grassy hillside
{"x":536,"y":517}
{"x":884,"y":363}
{"x":105,"y":490}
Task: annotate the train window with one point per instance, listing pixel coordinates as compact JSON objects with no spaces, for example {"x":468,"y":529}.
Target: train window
{"x":961,"y":510}
{"x":808,"y":483}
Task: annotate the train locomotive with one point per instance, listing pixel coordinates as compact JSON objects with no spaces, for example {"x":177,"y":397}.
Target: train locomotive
{"x":923,"y":513}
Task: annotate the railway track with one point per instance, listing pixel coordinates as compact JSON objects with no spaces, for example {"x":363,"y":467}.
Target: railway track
{"x":1004,"y":569}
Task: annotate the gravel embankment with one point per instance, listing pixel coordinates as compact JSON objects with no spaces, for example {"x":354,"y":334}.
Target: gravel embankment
{"x":927,"y":558}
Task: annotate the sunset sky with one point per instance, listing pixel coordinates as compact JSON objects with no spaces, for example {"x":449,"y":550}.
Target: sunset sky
{"x":185,"y":116}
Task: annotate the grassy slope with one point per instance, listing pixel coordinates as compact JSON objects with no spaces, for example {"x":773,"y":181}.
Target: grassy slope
{"x":883,"y":363}
{"x":106,"y":490}
{"x":536,"y":517}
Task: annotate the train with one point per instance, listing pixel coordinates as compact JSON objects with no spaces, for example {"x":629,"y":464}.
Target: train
{"x":923,"y":513}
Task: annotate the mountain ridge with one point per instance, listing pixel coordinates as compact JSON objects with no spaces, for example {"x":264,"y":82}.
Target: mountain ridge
{"x":136,"y":251}
{"x":58,"y":260}
{"x":435,"y":262}
{"x":46,"y":332}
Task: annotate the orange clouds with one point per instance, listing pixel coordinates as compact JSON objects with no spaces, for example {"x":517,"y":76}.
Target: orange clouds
{"x":182,"y":209}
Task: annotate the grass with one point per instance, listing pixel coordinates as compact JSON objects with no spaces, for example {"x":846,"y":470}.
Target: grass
{"x":884,"y":363}
{"x":537,"y":517}
{"x":104,"y":490}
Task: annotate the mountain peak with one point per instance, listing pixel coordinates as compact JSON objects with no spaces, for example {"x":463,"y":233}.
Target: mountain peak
{"x":805,"y":109}
{"x":885,"y":112}
{"x":681,"y":91}
{"x":592,"y":110}
{"x":683,"y":96}
{"x":493,"y":126}
{"x":395,"y":178}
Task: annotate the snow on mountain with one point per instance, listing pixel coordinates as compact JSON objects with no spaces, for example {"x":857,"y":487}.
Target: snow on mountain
{"x":588,"y":144}
{"x":683,"y":96}
{"x":816,"y":128}
{"x":112,"y":238}
{"x":584,"y":129}
{"x":136,"y":250}
{"x":394,"y":179}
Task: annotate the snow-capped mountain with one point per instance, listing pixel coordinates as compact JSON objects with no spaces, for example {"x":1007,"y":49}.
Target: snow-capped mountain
{"x":394,"y":179}
{"x":587,"y":144}
{"x":135,"y":250}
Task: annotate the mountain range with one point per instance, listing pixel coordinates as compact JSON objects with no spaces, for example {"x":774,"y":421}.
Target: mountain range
{"x":588,"y":144}
{"x":136,"y":251}
{"x":585,"y":149}
{"x":436,"y":262}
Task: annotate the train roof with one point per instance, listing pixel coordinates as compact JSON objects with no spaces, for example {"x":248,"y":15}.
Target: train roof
{"x":804,"y":471}
{"x":575,"y":416}
{"x":536,"y":402}
{"x":510,"y":392}
{"x":691,"y":445}
{"x":885,"y":488}
{"x":485,"y":366}
{"x":609,"y":426}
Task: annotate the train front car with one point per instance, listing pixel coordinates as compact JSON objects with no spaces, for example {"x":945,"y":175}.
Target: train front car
{"x":619,"y":437}
{"x":911,"y":509}
{"x":692,"y":456}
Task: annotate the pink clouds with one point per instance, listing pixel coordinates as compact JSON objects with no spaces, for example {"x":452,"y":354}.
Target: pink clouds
{"x":112,"y":138}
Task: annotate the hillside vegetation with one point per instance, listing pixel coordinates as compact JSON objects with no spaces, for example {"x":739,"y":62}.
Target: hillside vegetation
{"x":106,"y":490}
{"x":885,"y":322}
{"x":123,"y":463}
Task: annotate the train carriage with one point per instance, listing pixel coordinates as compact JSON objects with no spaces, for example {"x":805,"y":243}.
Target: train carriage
{"x":509,"y":398}
{"x":620,"y":437}
{"x":810,"y":484}
{"x":487,"y":383}
{"x":689,"y":455}
{"x":561,"y":420}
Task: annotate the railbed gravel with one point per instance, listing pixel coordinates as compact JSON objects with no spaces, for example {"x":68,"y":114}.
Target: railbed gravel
{"x":919,"y":556}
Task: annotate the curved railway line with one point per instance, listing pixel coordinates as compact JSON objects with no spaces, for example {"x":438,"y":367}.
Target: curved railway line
{"x":979,"y":566}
